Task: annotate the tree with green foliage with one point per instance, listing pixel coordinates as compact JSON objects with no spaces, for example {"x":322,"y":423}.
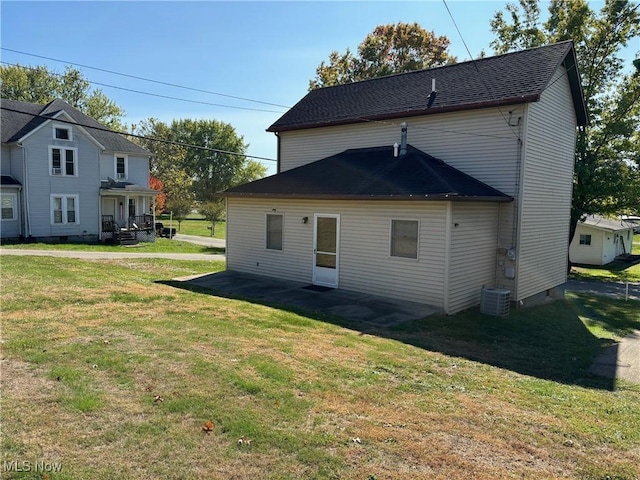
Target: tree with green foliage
{"x":218,"y":165}
{"x":40,"y":85}
{"x":213,"y":212}
{"x":389,"y":49}
{"x":607,"y":159}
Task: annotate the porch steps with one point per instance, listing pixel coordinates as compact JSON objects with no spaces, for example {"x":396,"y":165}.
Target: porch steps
{"x":127,"y":238}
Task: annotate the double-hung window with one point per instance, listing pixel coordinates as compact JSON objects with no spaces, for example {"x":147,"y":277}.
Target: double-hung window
{"x":64,"y":161}
{"x":64,"y":209}
{"x":274,"y":231}
{"x":8,"y":205}
{"x":121,"y":167}
{"x":404,"y":238}
{"x":585,"y":239}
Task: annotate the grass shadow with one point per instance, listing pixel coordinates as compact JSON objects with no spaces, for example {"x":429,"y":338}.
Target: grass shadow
{"x":550,"y":341}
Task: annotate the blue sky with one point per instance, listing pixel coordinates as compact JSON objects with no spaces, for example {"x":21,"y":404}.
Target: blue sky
{"x":265,"y":51}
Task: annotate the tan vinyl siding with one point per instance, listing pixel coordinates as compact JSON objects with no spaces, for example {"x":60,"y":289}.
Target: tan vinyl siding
{"x":473,"y":253}
{"x":546,"y":189}
{"x":364,"y":260}
{"x":481,"y":143}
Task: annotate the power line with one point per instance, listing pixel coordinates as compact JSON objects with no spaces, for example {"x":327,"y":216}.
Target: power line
{"x":154,"y":139}
{"x":146,"y":79}
{"x":478,"y":68}
{"x":152,"y":94}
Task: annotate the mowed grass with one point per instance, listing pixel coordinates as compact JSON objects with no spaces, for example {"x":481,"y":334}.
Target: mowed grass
{"x":195,"y":224}
{"x":161,"y":245}
{"x":111,"y":372}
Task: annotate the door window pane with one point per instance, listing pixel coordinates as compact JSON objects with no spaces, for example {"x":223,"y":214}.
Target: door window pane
{"x":327,"y":229}
{"x":326,"y":260}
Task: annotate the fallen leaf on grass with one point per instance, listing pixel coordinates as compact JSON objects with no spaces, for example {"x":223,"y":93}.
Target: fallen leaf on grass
{"x":244,"y":441}
{"x":158,"y":398}
{"x":207,"y":427}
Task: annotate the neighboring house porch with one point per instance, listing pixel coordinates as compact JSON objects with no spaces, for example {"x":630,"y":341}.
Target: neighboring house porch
{"x":124,"y":212}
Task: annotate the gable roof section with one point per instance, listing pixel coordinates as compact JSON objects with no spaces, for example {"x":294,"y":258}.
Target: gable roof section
{"x":21,"y":118}
{"x":512,"y":78}
{"x":372,"y":174}
{"x":607,"y":224}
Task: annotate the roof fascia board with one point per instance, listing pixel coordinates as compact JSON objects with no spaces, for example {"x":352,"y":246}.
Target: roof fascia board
{"x":413,"y":113}
{"x":424,"y":198}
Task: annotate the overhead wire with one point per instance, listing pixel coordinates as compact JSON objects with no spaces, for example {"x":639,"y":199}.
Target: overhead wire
{"x":144,"y":137}
{"x":160,"y":82}
{"x":474,"y":63}
{"x":152,"y":94}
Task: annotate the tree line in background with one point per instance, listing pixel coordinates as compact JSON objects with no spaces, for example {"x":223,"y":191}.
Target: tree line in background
{"x":607,"y":158}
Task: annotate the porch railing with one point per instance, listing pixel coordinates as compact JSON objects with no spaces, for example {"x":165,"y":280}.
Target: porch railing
{"x":136,"y":222}
{"x":141,"y":222}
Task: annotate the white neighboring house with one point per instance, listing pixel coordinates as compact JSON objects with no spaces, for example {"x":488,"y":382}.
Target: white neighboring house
{"x":479,"y":193}
{"x":599,"y":240}
{"x":65,"y":176}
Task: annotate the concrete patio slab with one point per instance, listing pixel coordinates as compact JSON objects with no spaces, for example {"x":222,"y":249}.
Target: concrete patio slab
{"x":350,"y":305}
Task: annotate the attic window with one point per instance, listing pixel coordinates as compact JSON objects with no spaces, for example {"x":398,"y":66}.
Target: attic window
{"x":61,"y":132}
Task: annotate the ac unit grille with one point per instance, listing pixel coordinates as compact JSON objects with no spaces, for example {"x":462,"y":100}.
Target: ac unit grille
{"x":495,"y":301}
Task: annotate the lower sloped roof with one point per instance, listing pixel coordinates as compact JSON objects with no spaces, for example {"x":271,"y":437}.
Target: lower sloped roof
{"x":375,"y":174}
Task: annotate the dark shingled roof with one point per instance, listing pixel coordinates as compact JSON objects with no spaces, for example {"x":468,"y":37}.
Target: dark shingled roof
{"x":372,"y":174}
{"x":9,"y":181}
{"x":508,"y":79}
{"x":20,"y":118}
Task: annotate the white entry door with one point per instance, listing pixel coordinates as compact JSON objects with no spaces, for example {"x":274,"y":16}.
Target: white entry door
{"x":326,"y":243}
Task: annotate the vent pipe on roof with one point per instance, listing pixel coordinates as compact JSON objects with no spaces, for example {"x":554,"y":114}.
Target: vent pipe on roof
{"x":432,"y":95}
{"x":403,"y":139}
{"x":396,"y":147}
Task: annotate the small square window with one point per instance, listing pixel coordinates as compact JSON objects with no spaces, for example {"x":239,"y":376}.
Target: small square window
{"x":274,"y":232}
{"x":404,"y":238}
{"x":62,"y":133}
{"x":585,"y":239}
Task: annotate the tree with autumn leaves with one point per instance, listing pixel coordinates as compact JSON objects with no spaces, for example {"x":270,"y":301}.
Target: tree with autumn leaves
{"x":389,"y":49}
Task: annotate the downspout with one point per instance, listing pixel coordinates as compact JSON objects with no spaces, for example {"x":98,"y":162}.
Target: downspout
{"x":447,"y":258}
{"x":27,"y":217}
{"x":278,"y":153}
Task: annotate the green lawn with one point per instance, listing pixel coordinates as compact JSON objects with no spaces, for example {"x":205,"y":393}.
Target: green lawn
{"x":161,"y":245}
{"x":112,"y":372}
{"x":196,"y":225}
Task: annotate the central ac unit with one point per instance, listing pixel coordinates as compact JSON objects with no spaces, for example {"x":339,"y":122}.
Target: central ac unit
{"x":494,"y":301}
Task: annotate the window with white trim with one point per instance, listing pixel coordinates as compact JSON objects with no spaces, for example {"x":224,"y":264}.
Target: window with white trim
{"x":62,"y":132}
{"x":8,"y":203}
{"x":585,"y":239}
{"x":274,"y":231}
{"x":404,"y":238}
{"x":63,"y":161}
{"x":121,"y":167}
{"x":64,"y":209}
